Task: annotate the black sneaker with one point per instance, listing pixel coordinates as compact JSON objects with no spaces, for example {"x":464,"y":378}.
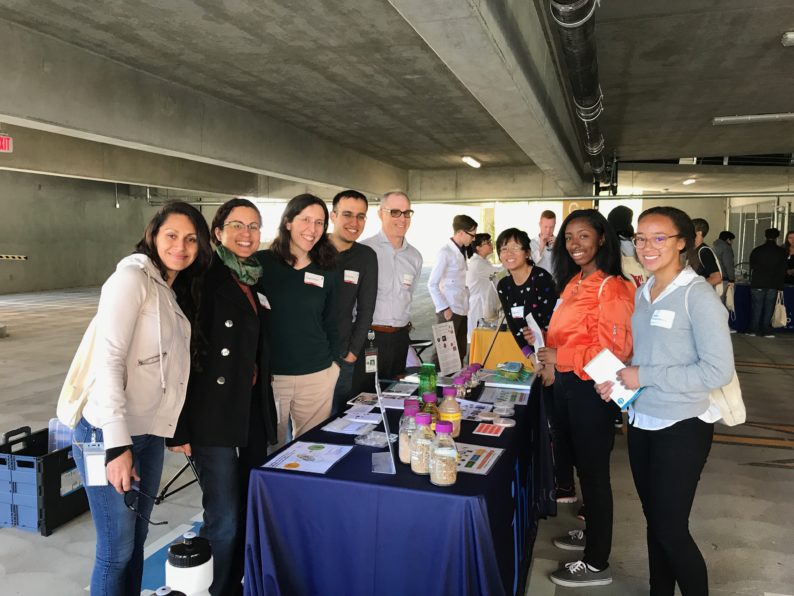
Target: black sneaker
{"x":574,"y":540}
{"x":578,"y":574}
{"x":566,"y":495}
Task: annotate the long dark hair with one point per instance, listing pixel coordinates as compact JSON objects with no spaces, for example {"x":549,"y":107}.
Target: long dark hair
{"x":786,"y":243}
{"x":323,"y":253}
{"x":607,"y":258}
{"x":223,"y":212}
{"x":187,"y":285}
{"x":684,"y":227}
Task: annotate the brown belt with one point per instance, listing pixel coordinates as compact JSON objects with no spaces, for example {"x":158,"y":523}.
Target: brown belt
{"x":387,"y":328}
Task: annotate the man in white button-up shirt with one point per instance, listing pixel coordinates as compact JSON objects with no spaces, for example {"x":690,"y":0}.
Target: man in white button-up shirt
{"x":540,"y":247}
{"x":447,"y":283}
{"x":399,"y":268}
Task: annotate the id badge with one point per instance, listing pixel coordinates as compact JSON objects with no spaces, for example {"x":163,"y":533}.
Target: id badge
{"x":94,"y":458}
{"x":371,"y":360}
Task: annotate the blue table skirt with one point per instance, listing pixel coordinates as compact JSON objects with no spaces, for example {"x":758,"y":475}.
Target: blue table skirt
{"x":741,"y":299}
{"x":356,"y":533}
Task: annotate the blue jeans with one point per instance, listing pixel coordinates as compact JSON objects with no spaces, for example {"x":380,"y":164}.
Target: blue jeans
{"x":762,"y":305}
{"x":344,"y":386}
{"x":222,"y":496}
{"x":120,"y":534}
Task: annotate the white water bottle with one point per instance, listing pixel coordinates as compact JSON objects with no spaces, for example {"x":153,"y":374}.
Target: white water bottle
{"x":167,"y":591}
{"x":189,"y":565}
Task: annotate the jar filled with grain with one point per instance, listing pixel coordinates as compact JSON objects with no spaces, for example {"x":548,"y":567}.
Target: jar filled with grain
{"x":421,"y":443}
{"x":443,"y":456}
{"x":407,"y":428}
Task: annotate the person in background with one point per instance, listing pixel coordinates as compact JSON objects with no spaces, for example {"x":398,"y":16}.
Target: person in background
{"x":767,"y":278}
{"x":141,"y":362}
{"x":541,"y":247}
{"x":620,"y":219}
{"x":682,"y":350}
{"x":594,"y":313}
{"x":447,"y":282}
{"x":299,"y":284}
{"x":229,"y":418}
{"x":399,"y":268}
{"x":357,"y":266}
{"x":788,"y":246}
{"x":707,"y":264}
{"x":723,"y":248}
{"x":483,"y":299}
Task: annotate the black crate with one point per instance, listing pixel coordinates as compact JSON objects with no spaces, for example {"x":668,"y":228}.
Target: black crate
{"x":38,"y":490}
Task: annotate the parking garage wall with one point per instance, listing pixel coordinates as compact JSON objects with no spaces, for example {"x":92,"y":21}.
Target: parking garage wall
{"x":70,"y":230}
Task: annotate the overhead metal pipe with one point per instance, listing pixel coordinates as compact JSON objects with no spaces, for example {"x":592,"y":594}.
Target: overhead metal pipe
{"x":576,"y":27}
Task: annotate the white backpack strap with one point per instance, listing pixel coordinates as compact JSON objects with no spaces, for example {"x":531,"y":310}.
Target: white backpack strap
{"x":686,"y":295}
{"x":601,"y":289}
{"x":603,"y":283}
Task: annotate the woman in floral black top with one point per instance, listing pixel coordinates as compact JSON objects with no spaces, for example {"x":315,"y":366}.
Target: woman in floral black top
{"x":528,"y":288}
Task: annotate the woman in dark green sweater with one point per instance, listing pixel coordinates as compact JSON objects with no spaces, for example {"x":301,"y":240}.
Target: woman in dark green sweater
{"x":299,"y":285}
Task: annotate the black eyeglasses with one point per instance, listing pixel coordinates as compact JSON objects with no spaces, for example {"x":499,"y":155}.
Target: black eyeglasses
{"x":131,"y":498}
{"x":472,"y":234}
{"x":395,"y":213}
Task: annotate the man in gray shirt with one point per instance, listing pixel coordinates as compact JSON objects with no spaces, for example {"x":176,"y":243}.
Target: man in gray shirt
{"x":724,"y":250}
{"x":357,"y":267}
{"x":399,"y":268}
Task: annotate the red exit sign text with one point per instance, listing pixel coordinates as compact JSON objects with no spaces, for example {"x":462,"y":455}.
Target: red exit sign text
{"x":6,"y":144}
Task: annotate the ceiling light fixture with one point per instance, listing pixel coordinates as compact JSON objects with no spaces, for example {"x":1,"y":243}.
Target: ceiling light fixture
{"x":788,"y":39}
{"x":752,"y":118}
{"x":470,"y":161}
{"x":689,"y":181}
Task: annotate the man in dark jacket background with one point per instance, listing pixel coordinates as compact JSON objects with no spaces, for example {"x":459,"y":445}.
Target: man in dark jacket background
{"x":767,"y":276}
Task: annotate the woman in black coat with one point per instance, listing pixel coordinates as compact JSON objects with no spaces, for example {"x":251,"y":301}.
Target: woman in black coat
{"x":229,"y":417}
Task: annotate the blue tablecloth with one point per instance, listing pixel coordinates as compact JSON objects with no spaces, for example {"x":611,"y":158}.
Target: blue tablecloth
{"x":741,"y":299}
{"x":357,"y":533}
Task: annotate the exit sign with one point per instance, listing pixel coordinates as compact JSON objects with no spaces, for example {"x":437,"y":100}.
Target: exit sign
{"x":6,"y":144}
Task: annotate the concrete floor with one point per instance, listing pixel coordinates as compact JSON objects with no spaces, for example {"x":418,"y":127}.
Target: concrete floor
{"x":743,"y":516}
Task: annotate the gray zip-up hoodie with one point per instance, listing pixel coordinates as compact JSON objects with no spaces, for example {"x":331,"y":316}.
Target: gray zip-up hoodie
{"x":681,"y":355}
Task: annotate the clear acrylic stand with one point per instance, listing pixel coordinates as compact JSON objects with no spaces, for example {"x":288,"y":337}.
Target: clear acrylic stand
{"x":383,"y":461}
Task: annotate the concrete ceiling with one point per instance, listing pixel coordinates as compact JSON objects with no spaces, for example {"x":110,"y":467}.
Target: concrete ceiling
{"x":667,"y":67}
{"x":357,"y":73}
{"x":351,"y":71}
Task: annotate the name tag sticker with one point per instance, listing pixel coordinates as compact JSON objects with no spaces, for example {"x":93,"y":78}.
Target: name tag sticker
{"x":408,"y":279}
{"x":351,"y":277}
{"x":517,"y":312}
{"x":663,"y":318}
{"x":263,"y":300}
{"x":313,"y":279}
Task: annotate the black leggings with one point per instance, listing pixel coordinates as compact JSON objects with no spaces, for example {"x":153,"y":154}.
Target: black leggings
{"x":666,"y":465}
{"x":585,"y":436}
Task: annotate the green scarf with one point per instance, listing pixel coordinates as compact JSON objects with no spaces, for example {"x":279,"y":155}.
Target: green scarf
{"x":247,"y":271}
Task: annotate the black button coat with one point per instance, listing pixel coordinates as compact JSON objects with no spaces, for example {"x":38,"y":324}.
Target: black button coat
{"x":222,"y":409}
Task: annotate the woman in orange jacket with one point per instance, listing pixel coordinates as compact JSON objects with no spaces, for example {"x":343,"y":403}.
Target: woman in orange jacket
{"x":594,"y":312}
